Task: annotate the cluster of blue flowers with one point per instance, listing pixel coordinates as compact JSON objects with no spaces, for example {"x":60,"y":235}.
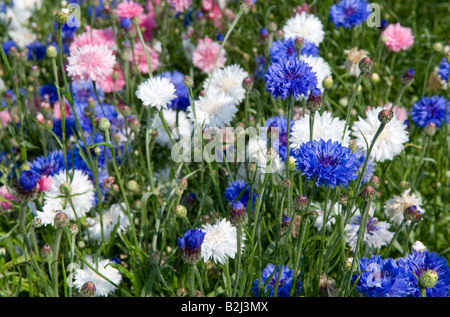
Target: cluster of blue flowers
{"x":403,"y":277}
{"x":430,"y":110}
{"x":349,"y":13}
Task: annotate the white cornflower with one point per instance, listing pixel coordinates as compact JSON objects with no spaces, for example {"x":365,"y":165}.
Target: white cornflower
{"x":419,"y":246}
{"x":179,"y":125}
{"x":376,"y":235}
{"x":227,"y":80}
{"x":306,"y":26}
{"x":389,"y":143}
{"x":352,"y":62}
{"x":220,"y":241}
{"x":48,"y":213}
{"x":156,"y":92}
{"x":214,"y":111}
{"x":394,"y":207}
{"x":102,"y":286}
{"x":81,"y":192}
{"x":112,"y":217}
{"x":325,"y":127}
{"x":319,"y":66}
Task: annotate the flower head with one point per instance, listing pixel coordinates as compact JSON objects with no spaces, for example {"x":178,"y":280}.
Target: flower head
{"x":179,"y":125}
{"x":138,"y":58}
{"x":110,"y":218}
{"x":280,"y":123}
{"x":376,"y":234}
{"x":284,"y":278}
{"x":381,"y":278}
{"x":390,"y":141}
{"x":214,"y":111}
{"x":290,"y":78}
{"x":129,"y":9}
{"x":349,"y":13}
{"x":205,"y":55}
{"x":181,"y":100}
{"x":306,"y":26}
{"x":327,"y":162}
{"x":352,"y":61}
{"x":283,"y":49}
{"x":395,"y":207}
{"x":239,"y":190}
{"x":157,"y":92}
{"x":325,"y":127}
{"x":190,"y":245}
{"x":229,"y":81}
{"x":444,"y":69}
{"x":90,"y":62}
{"x":430,"y":110}
{"x":220,"y":241}
{"x":397,"y":37}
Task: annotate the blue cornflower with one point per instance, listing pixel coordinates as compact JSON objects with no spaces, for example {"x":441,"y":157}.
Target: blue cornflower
{"x":126,"y":23}
{"x":370,"y":168}
{"x":444,"y":69}
{"x":48,"y":165}
{"x":260,"y":68}
{"x":419,"y":262}
{"x":7,"y":46}
{"x":270,"y":278}
{"x":28,"y":180}
{"x":283,"y":49}
{"x":280,"y":123}
{"x":71,"y":126}
{"x":49,"y":90}
{"x":83,"y":90}
{"x":381,"y":278}
{"x":36,"y":51}
{"x":290,"y":78}
{"x":429,"y":110}
{"x":349,"y":13}
{"x":181,"y":101}
{"x":239,"y":190}
{"x":190,"y":244}
{"x":68,"y":29}
{"x":327,"y":162}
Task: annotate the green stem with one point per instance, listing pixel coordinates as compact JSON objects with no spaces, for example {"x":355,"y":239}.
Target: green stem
{"x":57,"y":243}
{"x":238,"y":259}
{"x":351,"y":102}
{"x":388,"y":249}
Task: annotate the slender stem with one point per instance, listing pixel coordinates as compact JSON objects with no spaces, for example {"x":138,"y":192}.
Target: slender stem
{"x":351,"y":102}
{"x":238,"y":259}
{"x":423,"y":292}
{"x":57,"y":244}
{"x":388,"y":249}
{"x":311,"y":125}
{"x":147,"y":56}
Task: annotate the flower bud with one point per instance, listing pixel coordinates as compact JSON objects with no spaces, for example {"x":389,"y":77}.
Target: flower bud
{"x":413,"y":214}
{"x":368,"y":193}
{"x":365,"y":65}
{"x":46,"y":251}
{"x":314,"y":101}
{"x":328,"y":82}
{"x":88,"y":289}
{"x":348,"y":263}
{"x":244,"y":7}
{"x":51,"y":52}
{"x":37,"y":222}
{"x":181,"y":211}
{"x":419,"y":246}
{"x":430,"y":129}
{"x":248,"y":83}
{"x":385,"y":116}
{"x":73,"y":229}
{"x":299,"y":43}
{"x":255,"y":94}
{"x":135,"y":21}
{"x":285,"y":221}
{"x":62,"y":16}
{"x":272,"y":27}
{"x":104,"y":124}
{"x":188,"y":81}
{"x":437,"y":47}
{"x":300,"y":202}
{"x":408,"y":76}
{"x":65,"y":188}
{"x":286,"y":184}
{"x":375,"y":78}
{"x":374,"y":181}
{"x":183,"y":184}
{"x":343,"y":199}
{"x":292,"y":165}
{"x":428,"y":279}
{"x":132,"y":185}
{"x":238,"y":214}
{"x":61,"y":220}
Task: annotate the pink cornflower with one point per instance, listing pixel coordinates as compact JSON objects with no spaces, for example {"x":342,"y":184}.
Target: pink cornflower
{"x":6,"y":205}
{"x":180,"y":5}
{"x":99,"y":37}
{"x":91,"y":62}
{"x":402,"y":113}
{"x":45,"y":183}
{"x":206,"y":53}
{"x":141,"y":60}
{"x":129,"y":9}
{"x":107,"y":85}
{"x":57,"y":110}
{"x":148,"y":22}
{"x":397,"y":37}
{"x":5,"y":116}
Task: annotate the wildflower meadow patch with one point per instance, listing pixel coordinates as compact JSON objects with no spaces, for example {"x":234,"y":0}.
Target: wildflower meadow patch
{"x":224,"y":149}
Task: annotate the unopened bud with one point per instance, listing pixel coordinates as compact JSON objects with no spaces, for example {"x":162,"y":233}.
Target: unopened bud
{"x":248,"y":83}
{"x":428,"y":279}
{"x":46,"y":251}
{"x":328,"y":82}
{"x":368,"y":193}
{"x":65,"y":188}
{"x":365,"y":65}
{"x":292,"y":165}
{"x":88,"y":289}
{"x":299,"y":43}
{"x":73,"y":229}
{"x":188,"y":81}
{"x":430,"y":129}
{"x":104,"y":124}
{"x":255,"y":94}
{"x":374,"y":181}
{"x":181,"y":211}
{"x":314,"y":101}
{"x":385,"y":116}
{"x":62,"y":16}
{"x":286,"y":184}
{"x":419,"y":246}
{"x":37,"y":222}
{"x":61,"y":220}
{"x":238,"y":214}
{"x":408,"y":76}
{"x":413,"y":214}
{"x":132,"y":185}
{"x":343,"y":199}
{"x":300,"y":202}
{"x":51,"y":52}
